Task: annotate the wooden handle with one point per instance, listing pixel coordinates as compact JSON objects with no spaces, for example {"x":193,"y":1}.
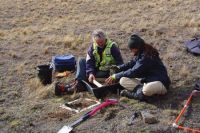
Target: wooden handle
{"x":97,"y":83}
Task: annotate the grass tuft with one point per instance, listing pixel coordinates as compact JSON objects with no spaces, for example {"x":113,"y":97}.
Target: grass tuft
{"x":39,"y":91}
{"x":15,"y":123}
{"x":184,"y":71}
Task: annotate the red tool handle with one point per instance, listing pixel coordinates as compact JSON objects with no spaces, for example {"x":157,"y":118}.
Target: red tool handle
{"x":181,"y":113}
{"x":189,"y":129}
{"x":104,"y":104}
{"x":186,"y":105}
{"x":184,"y":108}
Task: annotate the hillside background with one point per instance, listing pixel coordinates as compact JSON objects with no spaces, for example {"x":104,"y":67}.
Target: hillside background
{"x":32,"y":31}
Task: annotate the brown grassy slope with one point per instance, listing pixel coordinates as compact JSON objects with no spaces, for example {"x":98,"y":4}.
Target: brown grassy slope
{"x":31,"y":32}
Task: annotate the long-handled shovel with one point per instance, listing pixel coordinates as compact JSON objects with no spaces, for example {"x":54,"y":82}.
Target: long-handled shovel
{"x":69,"y":128}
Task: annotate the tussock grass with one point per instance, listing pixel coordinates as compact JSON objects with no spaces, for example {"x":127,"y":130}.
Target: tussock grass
{"x":5,"y":117}
{"x":135,"y":104}
{"x":46,"y":50}
{"x":2,"y":35}
{"x":12,"y":94}
{"x":13,"y":54}
{"x":73,"y":42}
{"x":15,"y":123}
{"x":184,"y":71}
{"x":70,"y":41}
{"x":170,"y":112}
{"x":19,"y":68}
{"x":2,"y":110}
{"x":193,"y":22}
{"x":28,"y":31}
{"x":38,"y":91}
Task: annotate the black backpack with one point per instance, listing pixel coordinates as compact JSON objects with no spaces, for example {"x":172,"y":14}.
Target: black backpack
{"x":197,"y":86}
{"x":193,"y":46}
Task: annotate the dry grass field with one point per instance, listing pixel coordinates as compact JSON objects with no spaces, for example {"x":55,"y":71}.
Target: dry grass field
{"x":32,"y":31}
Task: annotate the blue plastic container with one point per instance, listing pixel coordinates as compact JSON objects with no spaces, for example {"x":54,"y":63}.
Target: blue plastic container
{"x":64,"y":62}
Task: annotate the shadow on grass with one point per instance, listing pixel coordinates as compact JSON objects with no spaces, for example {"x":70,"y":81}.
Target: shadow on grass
{"x":173,"y":99}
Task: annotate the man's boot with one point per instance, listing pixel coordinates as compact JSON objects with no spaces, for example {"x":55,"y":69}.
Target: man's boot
{"x":137,"y":94}
{"x":61,"y":89}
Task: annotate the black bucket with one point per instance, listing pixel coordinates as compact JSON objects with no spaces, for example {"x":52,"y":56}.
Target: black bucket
{"x":45,"y":74}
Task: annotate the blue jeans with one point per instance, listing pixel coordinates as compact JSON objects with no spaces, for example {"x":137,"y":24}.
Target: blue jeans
{"x":81,"y":71}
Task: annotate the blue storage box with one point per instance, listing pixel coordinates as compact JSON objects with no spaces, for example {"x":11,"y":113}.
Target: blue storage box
{"x":64,"y":62}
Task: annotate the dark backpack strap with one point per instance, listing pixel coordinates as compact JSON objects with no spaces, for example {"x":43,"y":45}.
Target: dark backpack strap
{"x":193,"y":46}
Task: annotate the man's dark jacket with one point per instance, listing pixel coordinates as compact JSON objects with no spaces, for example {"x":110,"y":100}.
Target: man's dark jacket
{"x":90,"y":63}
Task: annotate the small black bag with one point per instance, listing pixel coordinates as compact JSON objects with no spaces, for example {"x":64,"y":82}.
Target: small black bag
{"x":197,"y":86}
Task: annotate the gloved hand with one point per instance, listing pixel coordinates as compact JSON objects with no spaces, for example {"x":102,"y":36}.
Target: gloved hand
{"x":110,"y":80}
{"x":114,"y":69}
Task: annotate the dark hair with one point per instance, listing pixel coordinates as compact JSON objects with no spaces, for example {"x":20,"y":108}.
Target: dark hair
{"x":150,"y":51}
{"x":135,"y":42}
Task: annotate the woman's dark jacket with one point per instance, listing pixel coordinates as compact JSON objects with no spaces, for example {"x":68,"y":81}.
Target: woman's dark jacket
{"x":149,"y":69}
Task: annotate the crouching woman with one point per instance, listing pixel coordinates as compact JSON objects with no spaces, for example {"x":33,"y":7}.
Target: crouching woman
{"x":145,"y":75}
